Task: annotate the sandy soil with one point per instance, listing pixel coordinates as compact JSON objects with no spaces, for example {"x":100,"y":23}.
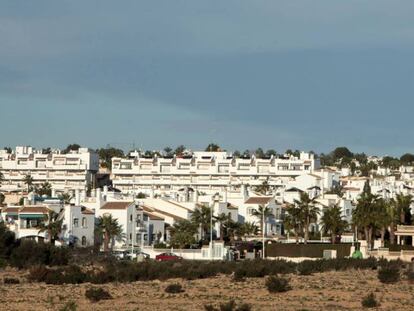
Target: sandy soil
{"x":325,"y":291}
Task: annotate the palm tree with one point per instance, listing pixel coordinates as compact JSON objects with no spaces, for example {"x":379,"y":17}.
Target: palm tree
{"x":364,"y":215}
{"x":110,"y":229}
{"x":182,"y":233}
{"x":65,"y":198}
{"x":308,"y":213}
{"x":247,"y":229}
{"x":292,"y":220}
{"x":384,"y":217}
{"x":403,"y":203}
{"x":28,"y":180}
{"x":263,"y":212}
{"x":52,"y":224}
{"x":264,"y":188}
{"x":222,"y":219}
{"x":44,"y":189}
{"x":201,"y":216}
{"x":332,"y":222}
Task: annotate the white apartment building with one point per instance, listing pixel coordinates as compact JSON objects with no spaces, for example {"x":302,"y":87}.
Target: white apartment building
{"x":205,"y":172}
{"x":65,"y":172}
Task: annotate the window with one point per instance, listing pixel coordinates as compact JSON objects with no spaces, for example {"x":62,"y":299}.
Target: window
{"x":83,"y":240}
{"x":130,"y":217}
{"x":84,"y":222}
{"x":75,"y":222}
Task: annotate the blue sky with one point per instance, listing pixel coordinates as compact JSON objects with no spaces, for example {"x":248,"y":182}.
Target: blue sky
{"x":309,"y":75}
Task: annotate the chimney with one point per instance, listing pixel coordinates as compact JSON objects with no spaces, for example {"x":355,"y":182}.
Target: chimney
{"x":225,"y":195}
{"x":25,"y":201}
{"x":196,"y":195}
{"x":83,"y":195}
{"x":105,"y":191}
{"x":77,"y":197}
{"x":53,"y":193}
{"x":98,"y":197}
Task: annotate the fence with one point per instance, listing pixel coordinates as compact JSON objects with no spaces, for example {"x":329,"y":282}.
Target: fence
{"x":307,"y":250}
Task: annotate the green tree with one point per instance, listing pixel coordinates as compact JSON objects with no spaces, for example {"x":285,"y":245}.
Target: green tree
{"x":264,"y":188}
{"x":201,"y":216}
{"x":259,"y":153}
{"x":1,"y":178}
{"x":71,"y":147}
{"x":403,"y":204}
{"x":340,"y":153}
{"x":2,"y":198}
{"x":28,"y":180}
{"x":106,"y":155}
{"x":213,"y":147}
{"x":179,"y":150}
{"x":182,"y":233}
{"x":332,"y":222}
{"x":222,"y":219}
{"x":52,"y":225}
{"x":308,"y":213}
{"x":270,"y":152}
{"x":407,"y":159}
{"x":247,"y":229}
{"x":108,"y":228}
{"x":168,"y":152}
{"x":236,"y":154}
{"x":65,"y":198}
{"x":263,"y":213}
{"x":44,"y":189}
{"x":292,"y":220}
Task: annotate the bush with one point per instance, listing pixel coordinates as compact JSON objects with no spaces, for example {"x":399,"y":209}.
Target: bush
{"x":370,"y":301}
{"x":11,"y":281}
{"x":69,"y":306}
{"x":229,"y":306}
{"x":389,"y":274}
{"x":29,"y":253}
{"x":96,"y":294}
{"x":276,"y":284}
{"x":410,"y":276}
{"x":174,"y":289}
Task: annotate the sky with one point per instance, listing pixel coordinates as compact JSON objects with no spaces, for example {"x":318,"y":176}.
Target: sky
{"x":308,"y":75}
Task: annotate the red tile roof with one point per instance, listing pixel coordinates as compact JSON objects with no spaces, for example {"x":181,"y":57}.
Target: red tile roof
{"x":116,"y":205}
{"x":258,"y":200}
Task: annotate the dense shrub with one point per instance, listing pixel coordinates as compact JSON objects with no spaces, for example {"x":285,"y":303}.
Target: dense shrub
{"x":410,"y":276}
{"x":29,"y":253}
{"x":174,"y":288}
{"x":11,"y":281}
{"x":370,"y":301}
{"x":65,"y":275}
{"x":389,"y":274}
{"x":96,"y":294}
{"x":229,"y":306}
{"x":277,"y":284}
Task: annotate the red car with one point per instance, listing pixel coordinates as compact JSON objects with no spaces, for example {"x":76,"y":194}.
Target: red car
{"x":167,"y":257}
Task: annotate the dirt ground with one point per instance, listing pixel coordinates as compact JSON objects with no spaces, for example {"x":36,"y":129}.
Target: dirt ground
{"x":325,"y":291}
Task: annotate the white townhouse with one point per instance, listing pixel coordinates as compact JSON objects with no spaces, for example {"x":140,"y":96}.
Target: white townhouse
{"x":78,"y":226}
{"x":65,"y":172}
{"x":126,"y":214}
{"x":204,"y":172}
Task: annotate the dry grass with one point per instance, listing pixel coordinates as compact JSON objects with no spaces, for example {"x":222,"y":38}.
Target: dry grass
{"x":325,"y":291}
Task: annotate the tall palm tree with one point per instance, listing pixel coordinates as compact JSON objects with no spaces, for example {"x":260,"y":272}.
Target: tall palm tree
{"x":52,"y":224}
{"x":308,"y":213}
{"x":110,"y":229}
{"x":263,"y":212}
{"x":403,"y":203}
{"x":364,"y":215}
{"x":292,"y":220}
{"x":383,"y":217}
{"x":201,"y":216}
{"x":28,"y":180}
{"x":332,"y":222}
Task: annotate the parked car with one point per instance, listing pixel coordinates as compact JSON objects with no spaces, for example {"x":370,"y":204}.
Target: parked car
{"x":121,"y":255}
{"x":167,"y":257}
{"x":136,"y":254}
